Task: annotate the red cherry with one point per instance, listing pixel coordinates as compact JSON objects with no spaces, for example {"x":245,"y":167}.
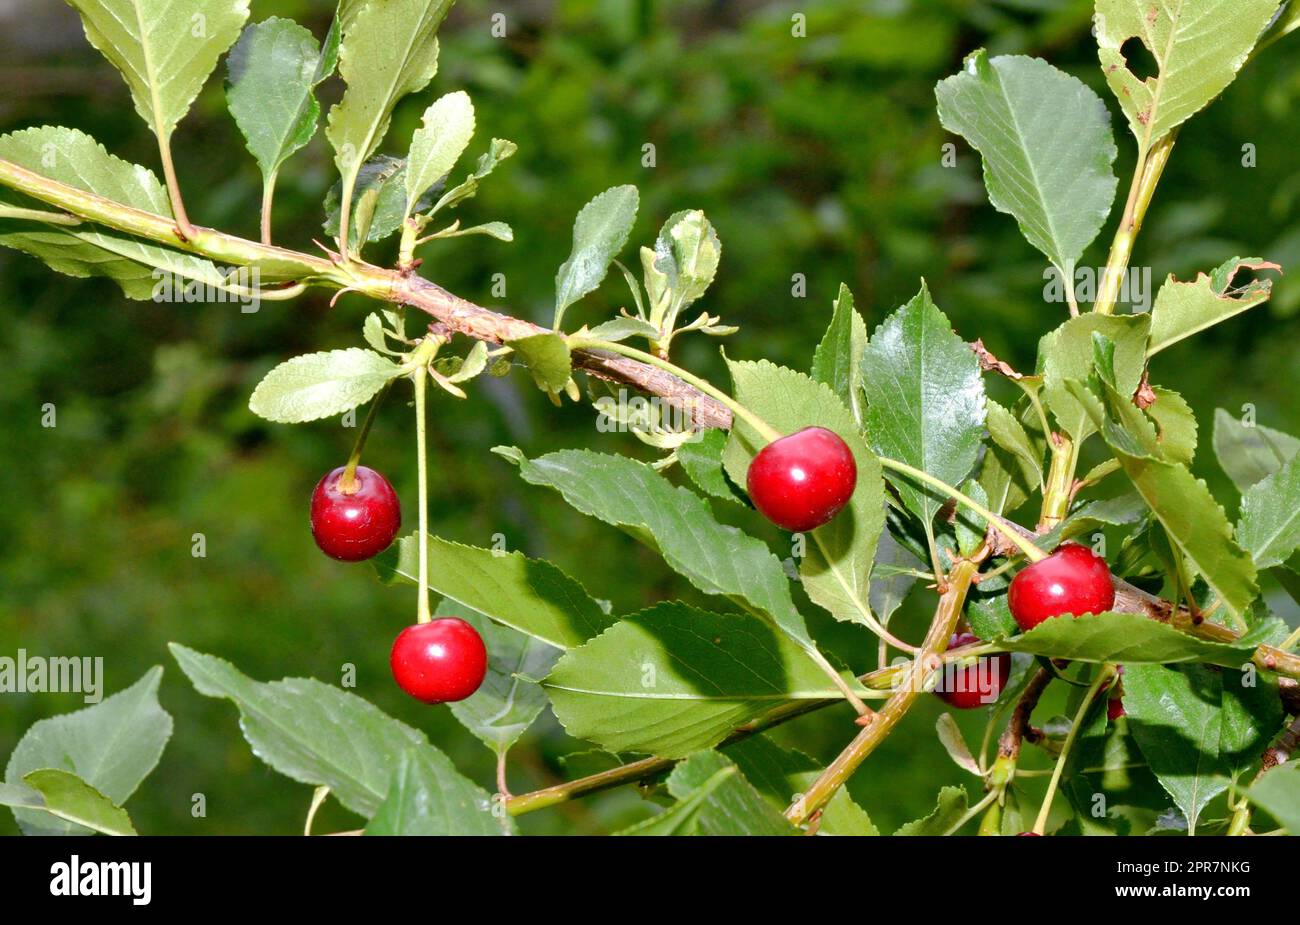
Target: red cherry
{"x":801,"y":481}
{"x":1030,"y":834}
{"x":354,"y":525}
{"x":973,"y":686}
{"x":440,"y":661}
{"x":1073,"y":580}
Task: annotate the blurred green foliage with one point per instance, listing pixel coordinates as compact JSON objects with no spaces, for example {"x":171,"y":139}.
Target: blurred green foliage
{"x":817,"y":155}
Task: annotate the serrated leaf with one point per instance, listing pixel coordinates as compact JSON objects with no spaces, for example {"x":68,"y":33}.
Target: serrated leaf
{"x":529,"y":595}
{"x":499,"y":150}
{"x":926,"y":403}
{"x":76,"y":159}
{"x":320,"y":385}
{"x":318,"y":734}
{"x":1176,"y":426}
{"x":990,"y":617}
{"x":112,"y":746}
{"x":378,"y":200}
{"x":734,"y":808}
{"x":1278,"y":793}
{"x":701,"y":459}
{"x":1174,"y":713}
{"x":837,"y":361}
{"x":1008,"y":433}
{"x":673,"y":679}
{"x":444,"y":133}
{"x":509,"y":699}
{"x":271,"y":73}
{"x":1184,"y":309}
{"x":1047,"y":148}
{"x":951,"y":806}
{"x":687,"y":254}
{"x":599,"y":232}
{"x":165,"y":51}
{"x":1198,"y":48}
{"x":780,"y":775}
{"x":715,"y":558}
{"x":1067,"y":353}
{"x":389,"y":49}
{"x":1249,"y":453}
{"x":427,"y":796}
{"x":890,"y":584}
{"x":1269,"y":528}
{"x":67,"y":797}
{"x":548,"y":359}
{"x":1123,"y":637}
{"x":681,"y":818}
{"x":1190,"y":515}
{"x":836,"y":567}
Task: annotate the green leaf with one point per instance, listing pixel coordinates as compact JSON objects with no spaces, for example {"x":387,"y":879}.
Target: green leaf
{"x":1175,"y":716}
{"x":427,"y":796}
{"x":621,"y":328}
{"x":715,"y":558}
{"x":734,"y":807}
{"x":68,"y":797}
{"x":1249,"y":453}
{"x":510,"y":699}
{"x":443,"y":135}
{"x":1269,"y":528}
{"x":780,"y":775}
{"x":1067,"y":353}
{"x":951,"y":806}
{"x":1122,"y":637}
{"x":547,"y":358}
{"x":529,"y":595}
{"x":320,"y":385}
{"x":681,"y":817}
{"x":165,"y":51}
{"x":990,"y":617}
{"x":1047,"y":147}
{"x":272,"y":71}
{"x":701,"y":459}
{"x":673,"y":679}
{"x":599,"y":232}
{"x":889,"y":582}
{"x":927,"y":400}
{"x":1193,"y":520}
{"x":389,"y":49}
{"x":378,"y":201}
{"x":1184,"y":309}
{"x":1278,"y":793}
{"x":498,"y":151}
{"x":686,"y":254}
{"x":836,"y":568}
{"x":76,"y":159}
{"x":838,"y":359}
{"x":317,"y":734}
{"x":112,"y":746}
{"x":1120,"y":511}
{"x":1008,"y":433}
{"x":1198,"y":47}
{"x":1176,"y":424}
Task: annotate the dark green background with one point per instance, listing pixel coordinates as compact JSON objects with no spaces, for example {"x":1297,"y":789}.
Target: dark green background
{"x":817,"y":155}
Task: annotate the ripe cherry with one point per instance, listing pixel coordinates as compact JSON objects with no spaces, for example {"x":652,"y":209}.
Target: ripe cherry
{"x":357,"y":524}
{"x":801,"y":481}
{"x":973,"y":686}
{"x":1073,"y":580}
{"x":440,"y":661}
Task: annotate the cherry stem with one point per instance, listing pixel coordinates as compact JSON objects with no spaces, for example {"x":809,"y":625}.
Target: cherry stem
{"x":765,"y":430}
{"x":348,"y":480}
{"x":1104,"y":674}
{"x":1032,"y":552}
{"x":418,"y":377}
